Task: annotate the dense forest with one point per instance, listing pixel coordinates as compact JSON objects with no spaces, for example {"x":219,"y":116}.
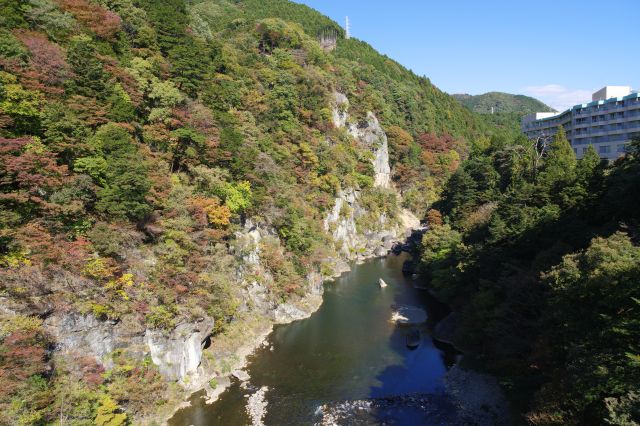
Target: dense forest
{"x":502,"y":111}
{"x":537,"y":254}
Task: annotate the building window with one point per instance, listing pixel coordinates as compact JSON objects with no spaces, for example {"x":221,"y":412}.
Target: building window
{"x":584,"y":150}
{"x":604,"y":149}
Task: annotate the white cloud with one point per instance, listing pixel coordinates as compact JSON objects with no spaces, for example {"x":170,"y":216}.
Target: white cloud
{"x":557,"y":96}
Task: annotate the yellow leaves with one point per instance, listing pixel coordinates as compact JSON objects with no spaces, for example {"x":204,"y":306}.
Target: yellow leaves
{"x":19,"y":323}
{"x":120,"y":285}
{"x":98,"y":268}
{"x":16,"y":100}
{"x":218,"y":216}
{"x":101,"y":269}
{"x":109,"y":413}
{"x":15,"y":259}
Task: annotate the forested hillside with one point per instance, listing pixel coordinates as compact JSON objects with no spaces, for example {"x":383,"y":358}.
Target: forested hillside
{"x":502,"y":111}
{"x":538,"y":255}
{"x":502,"y":103}
{"x":139,"y":140}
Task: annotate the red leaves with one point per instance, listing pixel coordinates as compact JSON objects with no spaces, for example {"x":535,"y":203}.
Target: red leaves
{"x":92,"y":372}
{"x":104,"y":23}
{"x":438,"y":144}
{"x":27,"y":166}
{"x":21,"y":356}
{"x":47,"y":59}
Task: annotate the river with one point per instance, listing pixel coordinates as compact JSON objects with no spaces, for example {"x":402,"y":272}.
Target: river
{"x":346,"y":350}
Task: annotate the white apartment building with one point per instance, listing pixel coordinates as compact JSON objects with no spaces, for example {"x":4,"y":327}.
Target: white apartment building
{"x":608,"y":123}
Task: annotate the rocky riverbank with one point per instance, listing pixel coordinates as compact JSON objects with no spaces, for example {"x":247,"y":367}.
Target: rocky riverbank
{"x":469,"y":398}
{"x":229,"y":352}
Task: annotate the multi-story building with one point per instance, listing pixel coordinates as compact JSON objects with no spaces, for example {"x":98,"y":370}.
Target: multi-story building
{"x":608,"y":123}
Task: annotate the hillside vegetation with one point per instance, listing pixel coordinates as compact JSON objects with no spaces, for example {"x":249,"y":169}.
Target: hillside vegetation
{"x":508,"y":109}
{"x":502,"y":103}
{"x":137,"y":137}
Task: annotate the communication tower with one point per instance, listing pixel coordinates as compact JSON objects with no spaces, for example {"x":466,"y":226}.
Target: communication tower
{"x":347,"y":29}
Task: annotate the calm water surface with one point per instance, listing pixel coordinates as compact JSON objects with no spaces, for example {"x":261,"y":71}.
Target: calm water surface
{"x":348,"y":349}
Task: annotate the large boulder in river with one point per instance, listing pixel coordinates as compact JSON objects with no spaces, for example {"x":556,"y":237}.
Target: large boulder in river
{"x":409,"y":315}
{"x":241,"y":375}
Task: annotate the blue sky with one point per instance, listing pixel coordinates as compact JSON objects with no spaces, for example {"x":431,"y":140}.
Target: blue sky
{"x":558,"y":51}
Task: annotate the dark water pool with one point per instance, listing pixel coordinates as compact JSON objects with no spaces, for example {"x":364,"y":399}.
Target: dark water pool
{"x":348,"y":349}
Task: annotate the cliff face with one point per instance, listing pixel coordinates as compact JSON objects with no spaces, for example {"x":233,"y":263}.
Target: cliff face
{"x":370,"y":134}
{"x":177,"y":354}
{"x":374,"y":239}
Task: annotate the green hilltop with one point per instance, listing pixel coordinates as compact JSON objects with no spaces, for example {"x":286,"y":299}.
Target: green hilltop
{"x":502,"y":103}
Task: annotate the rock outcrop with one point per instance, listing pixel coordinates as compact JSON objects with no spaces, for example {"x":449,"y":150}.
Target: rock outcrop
{"x":409,"y":315}
{"x":177,"y":354}
{"x":86,"y":335}
{"x":351,"y":242}
{"x":340,"y":107}
{"x":355,"y":244}
{"x":369,"y":133}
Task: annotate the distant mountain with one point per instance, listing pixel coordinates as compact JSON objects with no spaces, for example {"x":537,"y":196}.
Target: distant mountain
{"x":502,"y":103}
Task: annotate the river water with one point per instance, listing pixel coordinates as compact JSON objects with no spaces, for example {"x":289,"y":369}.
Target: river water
{"x":346,"y":350}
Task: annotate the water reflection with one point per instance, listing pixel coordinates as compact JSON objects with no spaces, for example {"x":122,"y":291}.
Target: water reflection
{"x":348,"y":349}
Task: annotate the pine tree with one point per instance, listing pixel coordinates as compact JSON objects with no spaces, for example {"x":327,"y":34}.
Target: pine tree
{"x":90,"y":78}
{"x":560,"y":164}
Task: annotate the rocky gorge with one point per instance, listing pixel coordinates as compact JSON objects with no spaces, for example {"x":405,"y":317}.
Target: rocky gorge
{"x":189,"y":354}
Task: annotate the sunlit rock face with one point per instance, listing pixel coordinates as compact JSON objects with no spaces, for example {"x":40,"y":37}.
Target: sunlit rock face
{"x":370,"y":134}
{"x":367,"y":132}
{"x":177,"y":353}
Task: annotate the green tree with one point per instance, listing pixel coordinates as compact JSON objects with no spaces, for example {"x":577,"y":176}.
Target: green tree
{"x":595,"y":294}
{"x":121,"y":109}
{"x":90,"y":79}
{"x":120,"y":171}
{"x":190,"y":61}
{"x":560,"y":163}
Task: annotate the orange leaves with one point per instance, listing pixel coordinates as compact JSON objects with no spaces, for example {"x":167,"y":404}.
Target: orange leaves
{"x":209,"y":211}
{"x":434,"y":217}
{"x":104,"y":23}
{"x":441,"y":163}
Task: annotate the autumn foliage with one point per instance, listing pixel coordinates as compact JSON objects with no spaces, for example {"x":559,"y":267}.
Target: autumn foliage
{"x":104,"y":23}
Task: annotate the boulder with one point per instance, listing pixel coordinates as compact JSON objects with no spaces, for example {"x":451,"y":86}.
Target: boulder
{"x":380,"y":251}
{"x":241,"y":375}
{"x":382,"y":283}
{"x":409,"y":315}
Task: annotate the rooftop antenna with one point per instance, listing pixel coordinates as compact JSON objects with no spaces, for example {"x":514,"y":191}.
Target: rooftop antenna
{"x":347,"y":29}
{"x":492,"y":109}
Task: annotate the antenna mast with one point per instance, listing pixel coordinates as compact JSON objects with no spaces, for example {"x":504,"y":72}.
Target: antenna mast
{"x":348,"y":29}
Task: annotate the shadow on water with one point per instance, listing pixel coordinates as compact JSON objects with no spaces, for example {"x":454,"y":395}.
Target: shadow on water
{"x":424,"y":366}
{"x":347,"y":350}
